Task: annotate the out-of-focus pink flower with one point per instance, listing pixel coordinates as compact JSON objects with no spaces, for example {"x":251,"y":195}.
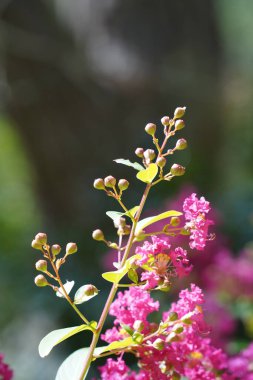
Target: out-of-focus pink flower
{"x":5,"y":372}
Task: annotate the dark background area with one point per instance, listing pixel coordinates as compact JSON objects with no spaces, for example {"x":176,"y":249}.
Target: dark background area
{"x":79,"y":81}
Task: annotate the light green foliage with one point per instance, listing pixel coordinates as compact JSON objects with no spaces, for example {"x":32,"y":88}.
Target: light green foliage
{"x":114,"y":215}
{"x":119,"y":344}
{"x":57,"y":336}
{"x":153,"y":219}
{"x":147,"y":175}
{"x":134,"y":165}
{"x":117,"y":275}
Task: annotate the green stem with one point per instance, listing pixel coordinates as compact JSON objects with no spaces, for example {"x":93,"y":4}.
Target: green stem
{"x":114,"y":287}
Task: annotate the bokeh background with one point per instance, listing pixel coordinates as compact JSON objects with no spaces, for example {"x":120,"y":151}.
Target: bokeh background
{"x":78,"y":82}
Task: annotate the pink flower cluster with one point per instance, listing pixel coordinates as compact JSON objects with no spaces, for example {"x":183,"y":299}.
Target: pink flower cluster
{"x":195,"y":214}
{"x":5,"y":372}
{"x":182,"y":348}
{"x":241,"y":366}
{"x":161,"y":263}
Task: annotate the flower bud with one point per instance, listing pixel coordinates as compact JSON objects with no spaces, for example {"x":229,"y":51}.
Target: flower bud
{"x":165,"y":121}
{"x":139,"y":152}
{"x":113,"y":246}
{"x":98,"y":235}
{"x":179,"y":124}
{"x":110,"y":181}
{"x":149,"y":154}
{"x":41,"y":265}
{"x":127,"y":229}
{"x":138,"y":325}
{"x":36,"y":245}
{"x":89,"y":290}
{"x":41,"y":238}
{"x":71,"y":248}
{"x":178,"y":329}
{"x":175,"y":221}
{"x":99,"y":184}
{"x":161,"y":162}
{"x":123,"y":184}
{"x":150,"y":129}
{"x":175,"y":376}
{"x":177,"y":170}
{"x":159,"y":344}
{"x":173,"y":316}
{"x":56,"y":249}
{"x":137,"y":337}
{"x":179,"y":112}
{"x":181,"y":144}
{"x":40,"y":281}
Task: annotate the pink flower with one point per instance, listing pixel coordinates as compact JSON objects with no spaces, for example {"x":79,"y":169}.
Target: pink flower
{"x":195,"y":211}
{"x":115,"y":370}
{"x":180,"y":262}
{"x":5,"y":372}
{"x":148,"y":249}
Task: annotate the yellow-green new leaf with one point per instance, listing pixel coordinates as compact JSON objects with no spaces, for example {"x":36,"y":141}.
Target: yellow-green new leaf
{"x":116,"y":276}
{"x":119,"y":344}
{"x":147,"y":175}
{"x":153,"y":219}
{"x":57,"y":336}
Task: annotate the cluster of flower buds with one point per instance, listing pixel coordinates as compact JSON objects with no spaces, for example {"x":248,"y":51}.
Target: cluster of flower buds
{"x":122,"y":227}
{"x":171,"y":126}
{"x":49,"y":256}
{"x":110,"y":182}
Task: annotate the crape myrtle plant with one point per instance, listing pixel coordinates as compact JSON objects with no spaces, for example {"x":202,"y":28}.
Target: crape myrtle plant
{"x":178,"y":346}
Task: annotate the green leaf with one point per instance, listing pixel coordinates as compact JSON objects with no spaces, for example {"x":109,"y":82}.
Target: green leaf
{"x":81,"y":296}
{"x":153,"y":219}
{"x":57,"y":336}
{"x":134,"y":165}
{"x":72,"y":367}
{"x":119,"y":344}
{"x":114,"y":215}
{"x":67,"y":286}
{"x":147,"y":175}
{"x":116,"y":276}
{"x":133,"y":276}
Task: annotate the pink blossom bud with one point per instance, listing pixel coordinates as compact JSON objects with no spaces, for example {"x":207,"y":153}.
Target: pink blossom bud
{"x":158,"y":344}
{"x":177,"y":170}
{"x":99,"y":184}
{"x":40,"y":281}
{"x":181,"y":144}
{"x":139,"y":152}
{"x":150,"y":129}
{"x":71,"y":248}
{"x":98,"y":235}
{"x":110,"y":181}
{"x":41,"y":238}
{"x":36,"y":245}
{"x":123,"y":184}
{"x":55,"y":249}
{"x":161,"y":162}
{"x":179,"y":124}
{"x":41,"y":265}
{"x":165,"y":121}
{"x":179,"y":112}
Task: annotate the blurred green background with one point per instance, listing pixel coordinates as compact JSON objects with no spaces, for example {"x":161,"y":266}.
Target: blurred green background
{"x":78,"y":82}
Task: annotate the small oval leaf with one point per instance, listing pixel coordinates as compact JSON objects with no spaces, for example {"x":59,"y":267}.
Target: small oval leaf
{"x":57,"y":336}
{"x":114,"y":215}
{"x":67,"y":286}
{"x":116,"y":276}
{"x":119,"y":344}
{"x":134,"y":165}
{"x":147,"y":175}
{"x":153,"y":219}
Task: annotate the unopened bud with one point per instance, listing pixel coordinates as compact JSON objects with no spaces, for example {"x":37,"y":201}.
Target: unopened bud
{"x":175,"y":221}
{"x":36,"y":245}
{"x":178,"y":329}
{"x":40,"y":281}
{"x":173,"y":316}
{"x":165,"y":121}
{"x":56,"y":249}
{"x":71,"y":248}
{"x":138,"y":325}
{"x":41,"y":265}
{"x":150,"y":129}
{"x":177,"y":170}
{"x":89,"y":290}
{"x":137,"y":337}
{"x":175,"y":376}
{"x":181,"y":144}
{"x":159,"y":344}
{"x":123,"y":184}
{"x":119,"y":222}
{"x":113,"y":246}
{"x":179,"y":112}
{"x":41,"y":238}
{"x":179,"y":124}
{"x":149,"y":154}
{"x":99,"y":184}
{"x":127,"y":229}
{"x":110,"y":181}
{"x":161,"y":162}
{"x":139,"y":152}
{"x":98,"y":235}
